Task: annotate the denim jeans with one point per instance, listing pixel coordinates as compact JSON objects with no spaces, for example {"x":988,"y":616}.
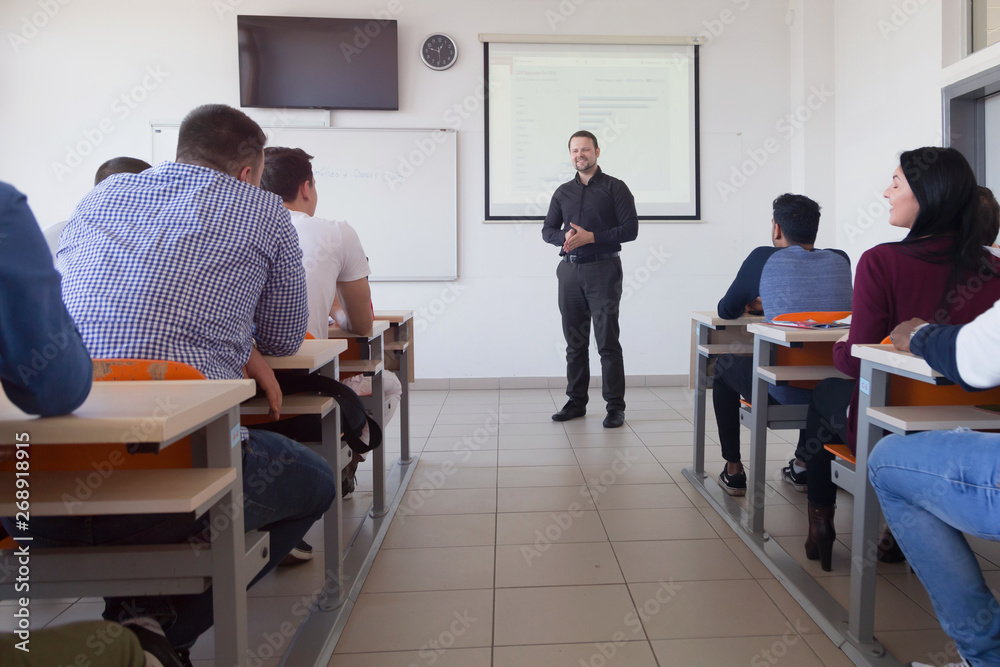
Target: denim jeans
{"x":933,"y":487}
{"x":286,"y":488}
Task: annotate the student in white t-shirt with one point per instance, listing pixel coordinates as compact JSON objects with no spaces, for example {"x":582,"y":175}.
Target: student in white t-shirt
{"x":336,"y":266}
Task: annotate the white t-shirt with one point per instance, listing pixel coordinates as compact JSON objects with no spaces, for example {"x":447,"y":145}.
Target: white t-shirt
{"x":331,"y":253}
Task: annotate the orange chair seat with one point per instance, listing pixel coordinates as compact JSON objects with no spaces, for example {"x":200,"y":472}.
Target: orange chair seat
{"x":841,"y":452}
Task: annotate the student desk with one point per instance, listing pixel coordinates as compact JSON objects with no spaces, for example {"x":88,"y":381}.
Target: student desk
{"x":878,"y":364}
{"x":156,"y":415}
{"x":401,"y":345}
{"x":711,"y":337}
{"x":371,"y":363}
{"x":318,"y":356}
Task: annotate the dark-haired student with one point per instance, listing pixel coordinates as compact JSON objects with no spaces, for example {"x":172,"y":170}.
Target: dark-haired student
{"x":789,"y":276}
{"x":116,"y":165}
{"x":989,"y":216}
{"x":190,"y":261}
{"x":939,"y":273}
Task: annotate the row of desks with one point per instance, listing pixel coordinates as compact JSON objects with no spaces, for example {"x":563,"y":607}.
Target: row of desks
{"x":158,"y":414}
{"x":851,"y":629}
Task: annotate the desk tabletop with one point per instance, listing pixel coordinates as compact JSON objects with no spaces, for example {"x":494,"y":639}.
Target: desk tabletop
{"x":888,"y":355}
{"x":311,"y":356}
{"x":378,"y":328}
{"x":712,"y":319}
{"x":150,"y":412}
{"x":793,"y":335}
{"x":394,"y":316}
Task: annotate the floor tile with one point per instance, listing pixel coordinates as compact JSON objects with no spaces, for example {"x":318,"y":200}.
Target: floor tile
{"x":456,"y":657}
{"x":638,"y":496}
{"x":619,"y":653}
{"x":468,"y":457}
{"x":678,"y":560}
{"x":553,"y":563}
{"x":540,"y":476}
{"x":893,"y":610}
{"x":656,"y":524}
{"x":695,"y":609}
{"x":769,"y":650}
{"x":431,"y":569}
{"x":541,"y":428}
{"x":512,"y":458}
{"x":544,"y":499}
{"x":565,"y":614}
{"x":455,"y":444}
{"x":450,"y":501}
{"x":454,"y":478}
{"x":410,"y":621}
{"x":539,"y":527}
{"x":553,"y":441}
{"x":606,"y":456}
{"x":599,"y":476}
{"x":614,"y":438}
{"x":445,"y":530}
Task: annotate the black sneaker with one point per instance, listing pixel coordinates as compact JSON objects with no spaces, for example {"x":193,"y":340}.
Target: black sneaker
{"x":734,"y":485}
{"x":349,"y":484}
{"x":156,"y":645}
{"x":796,"y":479}
{"x":300,"y":553}
{"x":571,"y":410}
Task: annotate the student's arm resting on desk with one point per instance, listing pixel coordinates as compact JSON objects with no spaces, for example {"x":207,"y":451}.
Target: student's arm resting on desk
{"x":34,"y":321}
{"x":626,"y":220}
{"x":869,"y":314}
{"x":967,"y":354}
{"x":746,"y":286}
{"x":282,"y":311}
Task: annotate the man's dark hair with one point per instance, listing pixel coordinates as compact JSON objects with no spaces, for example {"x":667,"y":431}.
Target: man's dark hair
{"x":220,"y":137}
{"x":285,"y":169}
{"x":798,"y":217}
{"x":120,"y":165}
{"x":989,"y":215}
{"x":582,"y":133}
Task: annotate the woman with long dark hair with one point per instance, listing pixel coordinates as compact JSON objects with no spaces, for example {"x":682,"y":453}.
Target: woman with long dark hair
{"x":939,"y":273}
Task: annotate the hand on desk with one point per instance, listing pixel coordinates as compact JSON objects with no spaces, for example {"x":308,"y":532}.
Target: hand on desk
{"x":576,"y":237}
{"x":755,"y":306}
{"x":258,"y":370}
{"x":900,"y":336}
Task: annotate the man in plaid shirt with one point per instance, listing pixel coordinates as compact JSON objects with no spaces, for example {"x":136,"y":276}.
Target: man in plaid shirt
{"x":190,"y":261}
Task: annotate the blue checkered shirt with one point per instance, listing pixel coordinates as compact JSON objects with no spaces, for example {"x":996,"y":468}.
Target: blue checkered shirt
{"x":184,"y":263}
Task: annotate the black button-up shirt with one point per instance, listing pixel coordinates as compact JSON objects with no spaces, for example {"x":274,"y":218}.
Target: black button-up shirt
{"x":604,"y":206}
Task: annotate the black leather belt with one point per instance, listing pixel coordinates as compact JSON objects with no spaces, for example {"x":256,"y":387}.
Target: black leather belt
{"x":586,"y":259}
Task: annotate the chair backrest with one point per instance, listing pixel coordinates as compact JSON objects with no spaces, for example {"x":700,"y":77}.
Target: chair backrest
{"x":103,"y":458}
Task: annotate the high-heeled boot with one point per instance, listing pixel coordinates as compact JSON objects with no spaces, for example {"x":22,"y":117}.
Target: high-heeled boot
{"x":819,"y":543}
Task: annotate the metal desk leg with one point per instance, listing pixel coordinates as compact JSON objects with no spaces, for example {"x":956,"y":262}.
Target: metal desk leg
{"x":404,"y":400}
{"x":221,"y":448}
{"x":373,"y":350}
{"x":700,"y":394}
{"x":864,"y":550}
{"x":763,"y":354}
{"x":333,"y":519}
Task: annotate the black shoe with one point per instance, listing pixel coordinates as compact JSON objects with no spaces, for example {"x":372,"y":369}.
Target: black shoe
{"x":157,"y":646}
{"x":300,"y":553}
{"x":348,"y":485}
{"x":796,"y":479}
{"x":571,"y":410}
{"x":614,"y":419}
{"x":734,"y":485}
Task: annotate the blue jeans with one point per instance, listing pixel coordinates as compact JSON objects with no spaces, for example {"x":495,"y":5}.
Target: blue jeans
{"x":286,"y":487}
{"x":933,"y":487}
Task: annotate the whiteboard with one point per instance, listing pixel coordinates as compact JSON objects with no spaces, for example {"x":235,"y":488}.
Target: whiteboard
{"x":397,"y":188}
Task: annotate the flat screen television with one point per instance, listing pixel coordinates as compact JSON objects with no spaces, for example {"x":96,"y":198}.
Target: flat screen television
{"x":318,"y":63}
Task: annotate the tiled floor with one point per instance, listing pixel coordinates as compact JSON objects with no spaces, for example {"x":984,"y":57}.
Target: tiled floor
{"x":526,"y":542}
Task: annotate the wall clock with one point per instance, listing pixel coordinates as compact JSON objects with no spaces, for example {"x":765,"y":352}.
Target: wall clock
{"x":439,"y":51}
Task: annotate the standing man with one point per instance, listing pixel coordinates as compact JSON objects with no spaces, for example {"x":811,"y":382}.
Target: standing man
{"x":589,"y":218}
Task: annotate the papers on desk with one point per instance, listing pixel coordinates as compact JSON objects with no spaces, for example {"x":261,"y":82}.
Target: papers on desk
{"x":813,"y":324}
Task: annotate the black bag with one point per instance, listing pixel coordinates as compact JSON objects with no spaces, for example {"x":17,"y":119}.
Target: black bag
{"x":305,"y":428}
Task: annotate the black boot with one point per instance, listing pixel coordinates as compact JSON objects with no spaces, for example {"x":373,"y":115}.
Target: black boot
{"x":819,"y":543}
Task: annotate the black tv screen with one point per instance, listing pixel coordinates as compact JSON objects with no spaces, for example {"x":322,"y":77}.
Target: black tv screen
{"x":310,"y":63}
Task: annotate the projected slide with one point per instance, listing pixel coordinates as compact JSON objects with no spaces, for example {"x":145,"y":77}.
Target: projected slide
{"x":638,"y":99}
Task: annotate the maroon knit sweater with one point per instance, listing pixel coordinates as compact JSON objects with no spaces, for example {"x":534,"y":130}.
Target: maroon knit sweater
{"x":892,"y":286}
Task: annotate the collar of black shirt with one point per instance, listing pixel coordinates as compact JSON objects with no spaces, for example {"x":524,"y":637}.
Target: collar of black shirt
{"x":595,"y":177}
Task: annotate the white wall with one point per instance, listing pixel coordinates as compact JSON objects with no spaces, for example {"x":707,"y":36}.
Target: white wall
{"x":500,"y":319}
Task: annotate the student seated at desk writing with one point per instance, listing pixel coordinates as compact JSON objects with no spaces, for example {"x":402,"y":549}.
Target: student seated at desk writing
{"x":928,"y":274}
{"x":789,"y":277}
{"x":191,"y":262}
{"x":934,"y":486}
{"x":336,"y":268}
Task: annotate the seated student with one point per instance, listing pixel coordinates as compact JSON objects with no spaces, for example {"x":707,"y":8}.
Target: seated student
{"x":934,"y":195}
{"x":936,"y":485}
{"x":190,"y":261}
{"x":336,"y":268}
{"x":33,"y":318}
{"x":789,"y":277}
{"x":116,"y":165}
